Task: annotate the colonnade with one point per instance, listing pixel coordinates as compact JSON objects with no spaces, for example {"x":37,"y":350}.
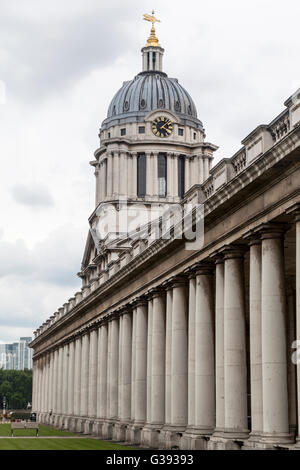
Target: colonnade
{"x":191,"y":363}
{"x":116,"y":174}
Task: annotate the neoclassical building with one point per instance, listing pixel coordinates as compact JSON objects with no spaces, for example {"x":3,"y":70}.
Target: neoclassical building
{"x":170,"y":345}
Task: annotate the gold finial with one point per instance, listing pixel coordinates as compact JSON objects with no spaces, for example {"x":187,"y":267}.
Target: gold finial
{"x":152,"y":40}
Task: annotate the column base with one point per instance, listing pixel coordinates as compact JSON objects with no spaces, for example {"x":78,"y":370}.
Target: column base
{"x":228,"y":439}
{"x":88,"y":426}
{"x":80,"y":425}
{"x":150,"y":435}
{"x":170,"y":437}
{"x":134,"y":433}
{"x":119,"y":432}
{"x":56,"y":421}
{"x":97,"y":427}
{"x":253,"y":442}
{"x":72,"y":424}
{"x":275,"y":441}
{"x":107,"y":430}
{"x":195,"y":439}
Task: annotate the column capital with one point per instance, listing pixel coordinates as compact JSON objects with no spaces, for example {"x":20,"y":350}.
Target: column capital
{"x":124,"y":309}
{"x":217,"y":257}
{"x":252,"y":237}
{"x":179,"y":280}
{"x":294,"y":211}
{"x":205,"y":268}
{"x":233,"y":251}
{"x":155,"y":292}
{"x":271,"y":230}
{"x":139,"y":301}
{"x":190,"y":272}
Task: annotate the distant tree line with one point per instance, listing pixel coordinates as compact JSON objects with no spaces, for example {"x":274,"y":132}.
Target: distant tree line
{"x":16,"y":387}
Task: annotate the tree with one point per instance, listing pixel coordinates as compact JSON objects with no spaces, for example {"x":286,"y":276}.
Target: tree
{"x":16,"y":386}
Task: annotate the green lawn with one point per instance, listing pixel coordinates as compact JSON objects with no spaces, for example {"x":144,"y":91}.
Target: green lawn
{"x":73,"y":441}
{"x":58,"y":444}
{"x":43,"y":431}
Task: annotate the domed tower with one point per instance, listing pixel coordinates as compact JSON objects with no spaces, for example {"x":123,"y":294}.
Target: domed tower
{"x":152,"y":145}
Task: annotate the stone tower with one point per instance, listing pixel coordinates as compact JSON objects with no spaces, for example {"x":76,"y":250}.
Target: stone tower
{"x":152,"y":144}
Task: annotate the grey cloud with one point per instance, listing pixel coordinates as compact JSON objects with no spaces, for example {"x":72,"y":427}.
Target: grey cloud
{"x":54,"y":261}
{"x":42,"y":55}
{"x":32,"y":194}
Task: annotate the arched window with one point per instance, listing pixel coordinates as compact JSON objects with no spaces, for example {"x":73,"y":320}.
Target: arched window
{"x":181,"y":176}
{"x":141,"y":175}
{"x":162,"y":174}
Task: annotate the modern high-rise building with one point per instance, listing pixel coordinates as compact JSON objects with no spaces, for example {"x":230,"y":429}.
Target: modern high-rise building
{"x":16,"y":356}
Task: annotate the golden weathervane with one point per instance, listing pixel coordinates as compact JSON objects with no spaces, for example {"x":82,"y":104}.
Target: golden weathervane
{"x":152,"y":40}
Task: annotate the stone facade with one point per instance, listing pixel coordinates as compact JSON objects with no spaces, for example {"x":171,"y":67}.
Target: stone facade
{"x":170,"y":347}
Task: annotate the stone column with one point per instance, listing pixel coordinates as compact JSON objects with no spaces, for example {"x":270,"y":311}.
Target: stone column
{"x":116,"y":174}
{"x":141,"y":363}
{"x":133,"y":363}
{"x":149,"y":358}
{"x":235,"y":365}
{"x":114,"y":367}
{"x":204,"y":359}
{"x":97,"y":174}
{"x":50,"y":387}
{"x":126,"y":367}
{"x":60,"y":378}
{"x":84,"y":394}
{"x":108,"y":366}
{"x":71,"y":370}
{"x":255,"y":339}
{"x":55,"y":381}
{"x":170,"y":189}
{"x":187,"y":174}
{"x":102,"y":371}
{"x":291,"y":365}
{"x":109,"y":175}
{"x":149,"y":174}
{"x":133,"y":187}
{"x":39,"y":395}
{"x":120,"y":385}
{"x":191,"y":351}
{"x":93,"y":366}
{"x":43,"y":383}
{"x":274,"y":361}
{"x":295,"y":212}
{"x":219,"y":345}
{"x":77,"y":377}
{"x":65,"y":379}
{"x":123,"y":174}
{"x":155,"y":174}
{"x":168,"y":390}
{"x":179,"y":355}
{"x":158,"y":360}
{"x":298,"y":308}
{"x":175,"y":173}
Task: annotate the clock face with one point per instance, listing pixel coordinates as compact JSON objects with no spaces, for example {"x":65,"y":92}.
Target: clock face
{"x":162,"y":127}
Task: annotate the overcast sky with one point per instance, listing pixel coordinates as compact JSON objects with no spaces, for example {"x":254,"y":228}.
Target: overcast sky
{"x":61,"y":62}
